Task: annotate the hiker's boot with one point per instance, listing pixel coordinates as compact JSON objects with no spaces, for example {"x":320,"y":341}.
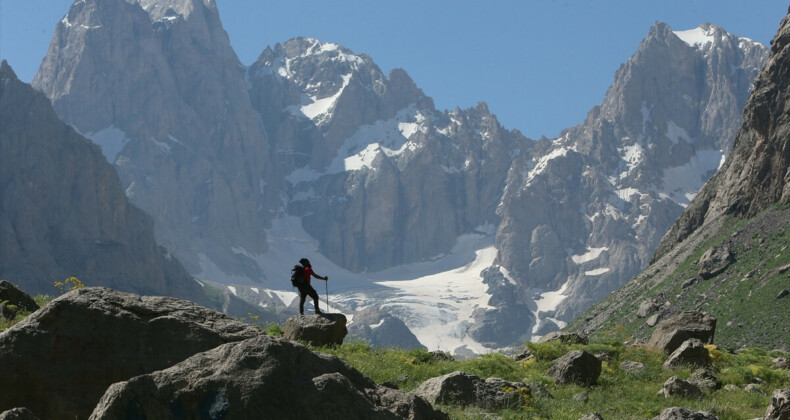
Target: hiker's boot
{"x":318,"y":311}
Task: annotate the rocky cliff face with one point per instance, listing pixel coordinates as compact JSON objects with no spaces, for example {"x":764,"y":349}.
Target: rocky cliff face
{"x":156,"y":84}
{"x":63,"y":211}
{"x":727,"y":252}
{"x":376,"y":176}
{"x":586,"y":213}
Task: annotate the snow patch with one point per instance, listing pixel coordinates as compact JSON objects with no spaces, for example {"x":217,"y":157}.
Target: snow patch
{"x":681,"y":183}
{"x":544,"y":161}
{"x":697,"y":37}
{"x":676,"y":133}
{"x":232,"y":290}
{"x":591,"y":254}
{"x":596,"y":272}
{"x":547,"y":302}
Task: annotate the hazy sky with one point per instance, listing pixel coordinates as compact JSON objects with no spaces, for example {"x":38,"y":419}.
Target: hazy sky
{"x":539,"y":64}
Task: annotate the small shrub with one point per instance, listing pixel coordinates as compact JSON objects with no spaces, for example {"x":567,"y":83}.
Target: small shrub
{"x":71,"y":283}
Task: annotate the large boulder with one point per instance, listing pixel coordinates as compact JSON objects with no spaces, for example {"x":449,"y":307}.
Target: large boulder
{"x":15,"y":296}
{"x":672,"y":332}
{"x":715,"y":260}
{"x":87,"y":339}
{"x":676,"y":387}
{"x":256,"y":378}
{"x":680,"y":413}
{"x":779,"y":409}
{"x":464,"y":389}
{"x":317,"y":330}
{"x":691,"y":353}
{"x":577,"y":366}
{"x":563,"y":337}
{"x":705,"y":379}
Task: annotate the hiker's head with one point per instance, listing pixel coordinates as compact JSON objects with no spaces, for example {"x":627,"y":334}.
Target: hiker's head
{"x":305,"y":262}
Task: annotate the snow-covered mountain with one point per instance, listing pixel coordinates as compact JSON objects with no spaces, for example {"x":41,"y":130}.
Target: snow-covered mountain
{"x":465,"y":231}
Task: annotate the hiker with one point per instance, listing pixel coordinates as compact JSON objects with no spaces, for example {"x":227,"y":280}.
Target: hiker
{"x":306,"y":289}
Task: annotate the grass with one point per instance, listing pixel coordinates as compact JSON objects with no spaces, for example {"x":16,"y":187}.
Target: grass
{"x":6,"y":323}
{"x":618,"y":394}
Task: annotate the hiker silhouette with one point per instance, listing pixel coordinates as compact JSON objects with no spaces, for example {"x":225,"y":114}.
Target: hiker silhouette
{"x":305,"y":289}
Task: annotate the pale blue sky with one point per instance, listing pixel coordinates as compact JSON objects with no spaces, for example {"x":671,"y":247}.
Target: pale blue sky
{"x":540,"y":65}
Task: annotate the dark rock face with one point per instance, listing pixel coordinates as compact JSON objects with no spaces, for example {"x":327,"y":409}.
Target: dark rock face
{"x":779,"y":409}
{"x":262,"y":376}
{"x":18,"y":414}
{"x":63,"y":211}
{"x":318,"y":330}
{"x":691,"y":353}
{"x":461,"y":388}
{"x":676,"y":387}
{"x":680,"y":413}
{"x":672,"y":332}
{"x":87,"y":339}
{"x":15,"y":296}
{"x":577,"y":366}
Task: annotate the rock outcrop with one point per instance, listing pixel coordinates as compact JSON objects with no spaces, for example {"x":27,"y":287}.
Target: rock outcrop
{"x":21,"y":413}
{"x":681,"y":413}
{"x":671,"y":333}
{"x":316,"y":330}
{"x":87,"y":339}
{"x":691,"y":353}
{"x":262,"y":376}
{"x":464,"y":389}
{"x":676,"y":387}
{"x":577,"y":367}
{"x":779,"y":409}
{"x":63,"y":210}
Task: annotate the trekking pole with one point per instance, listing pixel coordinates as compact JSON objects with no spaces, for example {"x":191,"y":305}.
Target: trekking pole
{"x":326,"y":283}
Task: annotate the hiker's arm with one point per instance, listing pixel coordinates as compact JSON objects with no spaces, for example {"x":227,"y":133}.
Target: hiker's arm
{"x":320,"y":277}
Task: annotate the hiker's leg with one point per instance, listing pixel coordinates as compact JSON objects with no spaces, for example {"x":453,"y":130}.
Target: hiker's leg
{"x":302,"y":298}
{"x":314,"y":295}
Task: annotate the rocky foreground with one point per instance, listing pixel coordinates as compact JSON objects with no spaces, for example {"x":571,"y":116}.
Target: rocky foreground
{"x":99,"y":353}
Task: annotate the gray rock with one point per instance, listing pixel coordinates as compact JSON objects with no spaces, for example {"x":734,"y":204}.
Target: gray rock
{"x":564,"y":337}
{"x":87,"y":339}
{"x":632,"y":366}
{"x":691,"y":353}
{"x":680,"y":413}
{"x":715,"y":260}
{"x":440,"y":356}
{"x":581,"y":397}
{"x":460,"y":388}
{"x":779,"y":408}
{"x":603,"y":356}
{"x":524,"y":354}
{"x":705,"y":380}
{"x":15,"y":296}
{"x":18,"y":414}
{"x":653,"y":320}
{"x":676,"y":387}
{"x":731,"y":388}
{"x":259,"y":375}
{"x":577,"y":366}
{"x":540,"y":391}
{"x":781,"y":363}
{"x":754,"y":388}
{"x":783,"y":293}
{"x":647,"y":307}
{"x":672,"y":332}
{"x":316,"y":330}
{"x":380,"y":329}
{"x":591,"y":416}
